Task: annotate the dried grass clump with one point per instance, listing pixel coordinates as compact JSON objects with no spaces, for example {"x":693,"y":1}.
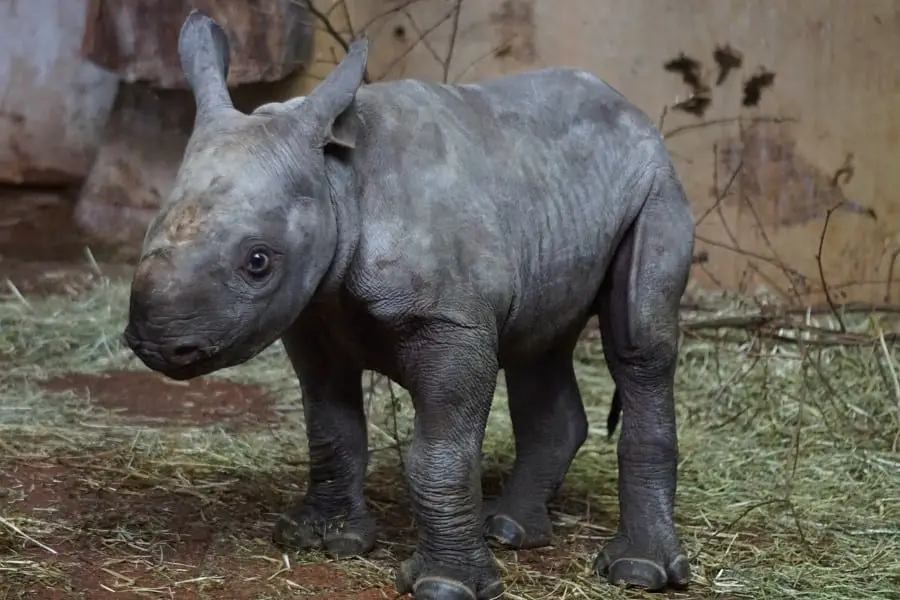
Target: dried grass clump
{"x":789,"y":476}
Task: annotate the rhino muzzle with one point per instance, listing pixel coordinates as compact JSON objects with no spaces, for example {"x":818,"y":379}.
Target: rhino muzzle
{"x":178,"y":357}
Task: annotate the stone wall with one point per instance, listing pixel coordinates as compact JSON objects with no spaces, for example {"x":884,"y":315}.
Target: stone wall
{"x":804,"y":118}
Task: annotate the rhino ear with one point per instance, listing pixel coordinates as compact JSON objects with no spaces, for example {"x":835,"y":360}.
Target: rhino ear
{"x":330,"y":100}
{"x":343,"y":131}
{"x":203,"y":50}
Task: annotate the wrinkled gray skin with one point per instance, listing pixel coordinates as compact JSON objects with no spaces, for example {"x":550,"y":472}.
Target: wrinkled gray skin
{"x":435,"y":234}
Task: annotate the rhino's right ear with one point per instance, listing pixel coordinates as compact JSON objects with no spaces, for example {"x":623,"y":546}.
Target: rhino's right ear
{"x":331,"y":98}
{"x":203,"y":50}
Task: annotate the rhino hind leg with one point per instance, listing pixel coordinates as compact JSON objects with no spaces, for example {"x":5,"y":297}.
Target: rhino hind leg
{"x":550,"y":426}
{"x":638,"y":310}
{"x":333,"y":515}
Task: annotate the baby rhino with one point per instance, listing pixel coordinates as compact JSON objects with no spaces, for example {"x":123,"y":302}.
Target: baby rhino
{"x":435,"y":234}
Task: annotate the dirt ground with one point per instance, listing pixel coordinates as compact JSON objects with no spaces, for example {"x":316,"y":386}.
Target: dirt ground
{"x":202,"y":561}
{"x":146,"y":398}
{"x":171,"y":545}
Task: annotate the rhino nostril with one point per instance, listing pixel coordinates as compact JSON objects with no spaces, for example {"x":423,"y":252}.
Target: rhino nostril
{"x":186,"y":351}
{"x":183,"y":353}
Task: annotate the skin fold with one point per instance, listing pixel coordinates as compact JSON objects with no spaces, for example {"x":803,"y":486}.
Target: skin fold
{"x":436,"y":234}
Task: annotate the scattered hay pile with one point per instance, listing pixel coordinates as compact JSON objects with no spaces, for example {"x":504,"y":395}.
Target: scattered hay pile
{"x":789,"y":477}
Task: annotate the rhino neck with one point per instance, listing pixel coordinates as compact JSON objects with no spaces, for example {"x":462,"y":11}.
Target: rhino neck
{"x":345,"y":207}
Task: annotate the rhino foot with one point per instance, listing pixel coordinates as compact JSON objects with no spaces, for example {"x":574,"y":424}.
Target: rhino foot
{"x":509,"y":526}
{"x":307,"y":527}
{"x":426,"y":579}
{"x":648,"y":566}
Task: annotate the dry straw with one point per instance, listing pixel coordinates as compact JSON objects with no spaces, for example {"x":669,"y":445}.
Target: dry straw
{"x":789,"y":474}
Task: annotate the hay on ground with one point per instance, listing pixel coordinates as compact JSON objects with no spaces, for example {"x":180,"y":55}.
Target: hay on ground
{"x":789,"y":472}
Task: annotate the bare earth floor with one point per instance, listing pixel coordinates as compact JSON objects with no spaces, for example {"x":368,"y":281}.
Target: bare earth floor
{"x":118,"y":483}
{"x":129,"y":533}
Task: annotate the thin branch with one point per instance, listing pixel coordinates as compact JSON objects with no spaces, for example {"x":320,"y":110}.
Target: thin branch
{"x":662,"y":117}
{"x":388,"y":12}
{"x":424,"y":33}
{"x":720,"y":196}
{"x":771,"y":247}
{"x":437,"y":58}
{"x":704,"y":124}
{"x":333,"y":32}
{"x":454,"y":32}
{"x":349,"y":20}
{"x":481,"y":58}
{"x":326,"y":23}
{"x":890,"y":278}
{"x":748,"y":254}
{"x":821,"y":268}
{"x":890,"y":363}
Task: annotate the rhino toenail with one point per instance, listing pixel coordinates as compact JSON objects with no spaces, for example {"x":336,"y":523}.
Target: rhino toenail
{"x":638,"y":572}
{"x":441,"y":588}
{"x":506,"y":531}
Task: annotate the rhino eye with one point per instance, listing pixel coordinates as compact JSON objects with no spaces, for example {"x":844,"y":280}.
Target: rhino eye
{"x":258,"y":262}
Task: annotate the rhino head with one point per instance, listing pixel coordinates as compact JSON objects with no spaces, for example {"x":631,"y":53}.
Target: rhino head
{"x":250,"y":229}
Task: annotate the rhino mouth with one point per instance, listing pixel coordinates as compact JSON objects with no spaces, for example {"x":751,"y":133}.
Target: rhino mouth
{"x":216,"y":360}
{"x":180,"y":358}
{"x":188,"y":371}
{"x":187,"y":358}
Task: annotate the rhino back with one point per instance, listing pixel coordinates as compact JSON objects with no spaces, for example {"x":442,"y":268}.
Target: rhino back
{"x":507,"y":195}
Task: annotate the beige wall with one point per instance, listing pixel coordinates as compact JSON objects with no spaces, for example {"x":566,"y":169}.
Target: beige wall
{"x":829,"y":77}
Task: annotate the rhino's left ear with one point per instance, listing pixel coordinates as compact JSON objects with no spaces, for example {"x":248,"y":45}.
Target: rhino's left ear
{"x":203,"y":50}
{"x":330,"y":100}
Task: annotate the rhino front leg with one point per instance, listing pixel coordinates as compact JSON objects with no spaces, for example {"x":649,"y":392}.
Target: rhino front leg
{"x":639,"y":325}
{"x":550,"y":426}
{"x":451,"y":373}
{"x":333,"y":513}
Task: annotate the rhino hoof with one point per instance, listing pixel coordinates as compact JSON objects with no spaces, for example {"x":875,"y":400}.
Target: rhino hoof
{"x":637,"y":573}
{"x":624,"y":567}
{"x":643,"y":573}
{"x":505,"y":532}
{"x":346,"y":544}
{"x":304,"y":529}
{"x":439,"y":588}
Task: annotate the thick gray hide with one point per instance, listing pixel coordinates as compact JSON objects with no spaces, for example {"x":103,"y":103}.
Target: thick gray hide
{"x":436,"y":234}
